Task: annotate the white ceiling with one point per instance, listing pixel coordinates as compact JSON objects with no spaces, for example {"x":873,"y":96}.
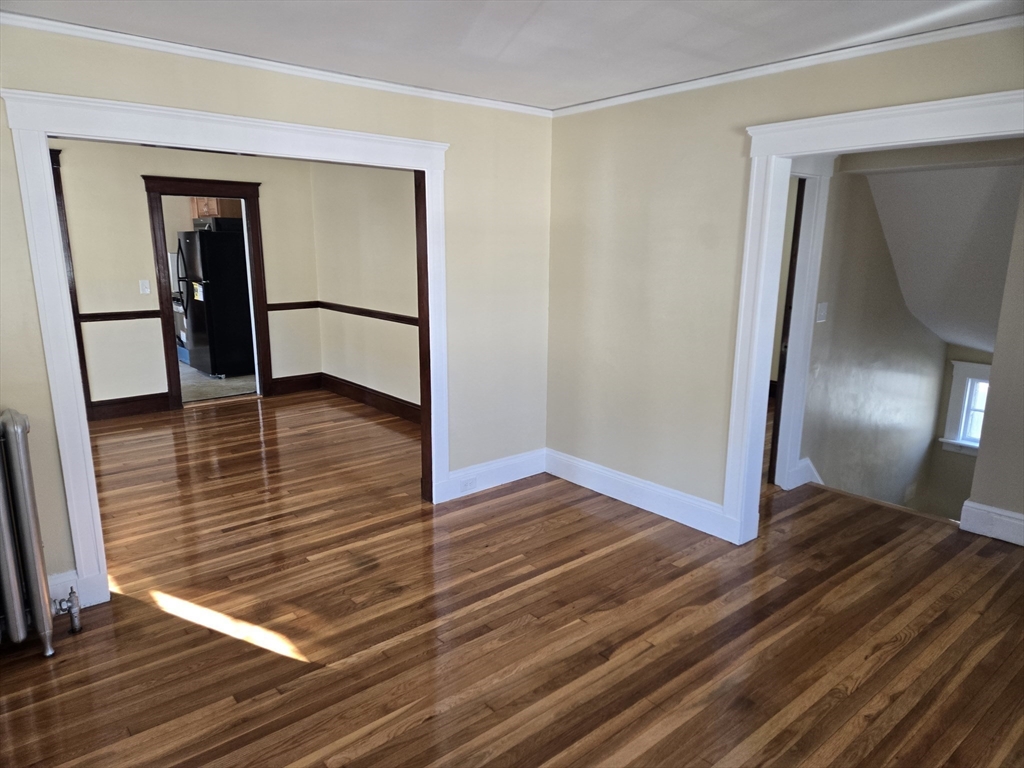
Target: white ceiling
{"x":949,"y":233}
{"x":541,"y":53}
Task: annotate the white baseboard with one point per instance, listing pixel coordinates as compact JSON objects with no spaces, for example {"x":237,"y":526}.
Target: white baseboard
{"x":675,"y":505}
{"x":91,"y":590}
{"x":480,"y":477}
{"x":803,"y":472}
{"x":992,"y":521}
{"x":689,"y":510}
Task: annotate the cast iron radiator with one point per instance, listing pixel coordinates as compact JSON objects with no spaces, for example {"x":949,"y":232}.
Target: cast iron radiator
{"x":24,"y":592}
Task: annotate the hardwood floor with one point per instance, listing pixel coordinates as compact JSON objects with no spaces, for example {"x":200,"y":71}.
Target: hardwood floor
{"x":537,"y":624}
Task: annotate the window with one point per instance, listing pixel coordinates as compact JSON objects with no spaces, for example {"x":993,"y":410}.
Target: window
{"x":966,"y":411}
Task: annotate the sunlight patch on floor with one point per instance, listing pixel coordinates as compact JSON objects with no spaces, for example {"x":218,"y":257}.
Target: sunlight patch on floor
{"x":226,"y":625}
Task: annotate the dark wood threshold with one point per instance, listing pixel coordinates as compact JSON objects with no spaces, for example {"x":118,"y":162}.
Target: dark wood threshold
{"x":127,"y":406}
{"x":287,"y":385}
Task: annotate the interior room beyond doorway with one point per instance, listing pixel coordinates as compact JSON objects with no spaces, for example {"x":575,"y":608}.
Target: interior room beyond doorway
{"x":210,"y":296}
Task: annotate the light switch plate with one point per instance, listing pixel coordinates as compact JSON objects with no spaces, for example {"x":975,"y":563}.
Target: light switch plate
{"x":143,"y":286}
{"x":822,"y":315}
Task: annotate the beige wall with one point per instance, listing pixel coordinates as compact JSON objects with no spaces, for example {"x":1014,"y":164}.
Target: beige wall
{"x":875,"y":370}
{"x":998,"y":479}
{"x":365,"y":234}
{"x":647,"y":226}
{"x":497,"y":203}
{"x":364,"y":223}
{"x":974,"y":153}
{"x":177,"y":218}
{"x":945,"y":483}
{"x":111,"y":247}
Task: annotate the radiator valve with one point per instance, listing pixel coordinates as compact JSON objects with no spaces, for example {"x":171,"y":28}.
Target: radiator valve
{"x":71,"y":606}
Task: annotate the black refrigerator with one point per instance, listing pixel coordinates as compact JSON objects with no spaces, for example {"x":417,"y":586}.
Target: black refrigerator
{"x":214,"y":291}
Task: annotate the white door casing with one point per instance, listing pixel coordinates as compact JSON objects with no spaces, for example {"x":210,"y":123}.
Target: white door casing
{"x":773,"y":149}
{"x":34,"y":117}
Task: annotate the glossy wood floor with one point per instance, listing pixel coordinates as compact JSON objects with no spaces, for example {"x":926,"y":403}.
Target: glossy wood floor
{"x":538,"y":624}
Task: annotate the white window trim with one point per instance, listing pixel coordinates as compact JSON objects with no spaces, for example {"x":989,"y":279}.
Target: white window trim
{"x":962,"y":373}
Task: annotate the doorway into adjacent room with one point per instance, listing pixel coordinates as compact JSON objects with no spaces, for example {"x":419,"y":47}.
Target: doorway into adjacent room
{"x":783,"y":322}
{"x":209,"y":286}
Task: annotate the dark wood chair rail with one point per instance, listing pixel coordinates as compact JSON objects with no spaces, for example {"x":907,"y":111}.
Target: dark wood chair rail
{"x":348,"y":309}
{"x":128,"y":314}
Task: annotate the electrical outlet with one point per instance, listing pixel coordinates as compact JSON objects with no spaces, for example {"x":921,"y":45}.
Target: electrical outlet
{"x":822,"y":315}
{"x":469,"y":484}
{"x":143,"y":286}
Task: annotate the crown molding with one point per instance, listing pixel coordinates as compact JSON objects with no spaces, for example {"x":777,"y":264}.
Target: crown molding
{"x":253,"y":62}
{"x":180,"y":49}
{"x":938,"y":36}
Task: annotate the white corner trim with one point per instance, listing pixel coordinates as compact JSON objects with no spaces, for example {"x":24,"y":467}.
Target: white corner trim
{"x":788,"y":471}
{"x":705,"y":516}
{"x":803,"y":472}
{"x":253,"y":62}
{"x":820,"y":166}
{"x":35,"y":116}
{"x":986,"y":116}
{"x":910,"y":41}
{"x":480,"y":477}
{"x":992,"y":521}
{"x":92,"y":590}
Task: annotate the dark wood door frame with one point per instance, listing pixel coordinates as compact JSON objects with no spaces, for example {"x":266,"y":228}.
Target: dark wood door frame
{"x":248,"y":192}
{"x":787,"y":318}
{"x":423,"y":311}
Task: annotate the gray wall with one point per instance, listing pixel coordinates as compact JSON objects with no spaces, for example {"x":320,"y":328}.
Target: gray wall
{"x":998,"y":474}
{"x":946,"y":481}
{"x":875,"y":371}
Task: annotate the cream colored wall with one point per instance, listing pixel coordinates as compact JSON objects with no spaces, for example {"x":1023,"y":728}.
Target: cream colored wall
{"x":364,"y":224}
{"x":647,"y":223}
{"x":23,"y":383}
{"x":875,"y":370}
{"x":945,"y":483}
{"x":945,"y":155}
{"x":111,"y":247}
{"x":177,"y":218}
{"x":998,"y":479}
{"x":787,"y":252}
{"x":497,"y":205}
{"x":375,"y":353}
{"x":365,"y":233}
{"x":295,"y":342}
{"x":124,"y":358}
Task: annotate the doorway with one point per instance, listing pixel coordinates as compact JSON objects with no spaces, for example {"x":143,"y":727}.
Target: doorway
{"x":777,"y":385}
{"x":212,"y":289}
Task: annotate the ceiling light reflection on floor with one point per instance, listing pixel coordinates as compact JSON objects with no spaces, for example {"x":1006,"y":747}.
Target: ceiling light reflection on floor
{"x":113,"y":586}
{"x":226,"y":625}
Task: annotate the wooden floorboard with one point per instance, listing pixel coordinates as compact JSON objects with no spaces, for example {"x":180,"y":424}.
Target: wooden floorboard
{"x":286,"y":598}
